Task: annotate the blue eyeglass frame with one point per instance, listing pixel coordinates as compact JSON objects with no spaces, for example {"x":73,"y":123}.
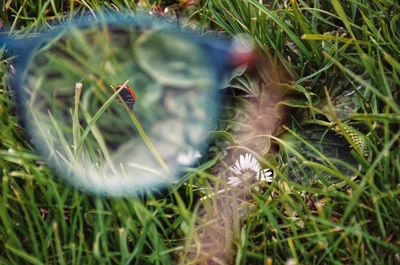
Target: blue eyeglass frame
{"x":219,"y":51}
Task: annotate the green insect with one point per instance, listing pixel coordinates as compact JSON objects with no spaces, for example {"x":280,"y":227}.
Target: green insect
{"x":355,"y":137}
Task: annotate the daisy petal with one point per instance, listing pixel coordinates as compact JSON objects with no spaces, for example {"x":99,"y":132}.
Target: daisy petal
{"x":242,"y":162}
{"x":265,"y":175}
{"x":267,"y":172}
{"x":248,"y":160}
{"x":233,"y":181}
{"x":237,"y":165}
{"x":256,"y":165}
{"x":234,"y":170}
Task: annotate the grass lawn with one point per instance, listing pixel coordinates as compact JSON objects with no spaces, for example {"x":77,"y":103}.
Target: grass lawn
{"x":321,"y":111}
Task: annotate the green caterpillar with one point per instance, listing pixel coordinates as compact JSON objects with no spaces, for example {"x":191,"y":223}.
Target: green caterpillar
{"x":356,"y":138}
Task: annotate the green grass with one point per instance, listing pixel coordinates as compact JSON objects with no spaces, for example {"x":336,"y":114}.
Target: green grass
{"x":335,"y":158}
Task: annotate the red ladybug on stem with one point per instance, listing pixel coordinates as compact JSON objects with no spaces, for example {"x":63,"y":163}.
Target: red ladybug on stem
{"x":127,"y":95}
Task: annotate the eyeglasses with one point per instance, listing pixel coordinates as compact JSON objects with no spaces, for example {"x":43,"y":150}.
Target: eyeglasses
{"x":118,"y":105}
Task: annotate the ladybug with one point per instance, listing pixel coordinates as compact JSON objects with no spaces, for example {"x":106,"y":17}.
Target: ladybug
{"x":127,"y":95}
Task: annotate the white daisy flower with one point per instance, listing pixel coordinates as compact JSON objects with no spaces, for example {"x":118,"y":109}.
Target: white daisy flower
{"x":248,"y":169}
